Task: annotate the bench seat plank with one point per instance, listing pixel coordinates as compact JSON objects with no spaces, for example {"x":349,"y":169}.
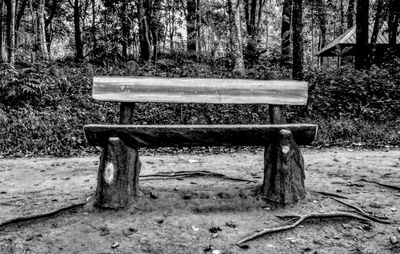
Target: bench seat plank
{"x":197,"y":135}
{"x":194,"y":90}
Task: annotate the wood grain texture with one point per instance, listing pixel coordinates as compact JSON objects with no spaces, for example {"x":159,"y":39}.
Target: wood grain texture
{"x":283,"y":170}
{"x":190,"y":90}
{"x":197,"y":135}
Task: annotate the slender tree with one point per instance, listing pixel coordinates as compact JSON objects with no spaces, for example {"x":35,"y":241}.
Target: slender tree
{"x":236,"y":35}
{"x":125,"y":29}
{"x":377,"y":25}
{"x":361,"y":58}
{"x":11,"y":31}
{"x":144,"y":33}
{"x":42,"y":32}
{"x":285,"y":32}
{"x":253,"y":16}
{"x":393,"y":22}
{"x":378,"y":20}
{"x":172,"y":26}
{"x":250,"y":9}
{"x":298,"y":50}
{"x":350,"y":13}
{"x":341,"y":8}
{"x":33,"y":27}
{"x":155,"y":26}
{"x":78,"y":36}
{"x":52,"y":10}
{"x":321,"y":19}
{"x":94,"y":40}
{"x":1,"y":32}
{"x":20,"y":14}
{"x":192,"y":10}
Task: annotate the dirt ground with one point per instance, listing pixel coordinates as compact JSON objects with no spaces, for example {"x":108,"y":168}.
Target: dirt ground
{"x":177,"y":215}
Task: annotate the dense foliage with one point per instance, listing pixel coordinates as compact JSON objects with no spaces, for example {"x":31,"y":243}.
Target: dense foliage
{"x":45,"y":107}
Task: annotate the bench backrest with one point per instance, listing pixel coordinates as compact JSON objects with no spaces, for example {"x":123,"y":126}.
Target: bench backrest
{"x":194,"y":90}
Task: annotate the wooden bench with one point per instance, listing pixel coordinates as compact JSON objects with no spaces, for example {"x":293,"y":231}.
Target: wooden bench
{"x":118,"y":176}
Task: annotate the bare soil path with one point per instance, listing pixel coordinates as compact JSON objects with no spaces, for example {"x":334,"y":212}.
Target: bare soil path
{"x":178,"y":215}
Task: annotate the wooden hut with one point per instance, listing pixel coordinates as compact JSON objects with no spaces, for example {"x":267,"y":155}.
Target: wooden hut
{"x":344,"y":44}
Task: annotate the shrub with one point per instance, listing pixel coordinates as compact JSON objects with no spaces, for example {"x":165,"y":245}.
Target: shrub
{"x":43,"y":111}
{"x":345,"y":93}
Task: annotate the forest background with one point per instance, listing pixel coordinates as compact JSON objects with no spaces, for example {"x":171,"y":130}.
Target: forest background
{"x":51,"y":49}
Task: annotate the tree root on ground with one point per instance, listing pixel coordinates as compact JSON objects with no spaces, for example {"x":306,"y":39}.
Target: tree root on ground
{"x":188,"y":174}
{"x":40,"y":215}
{"x":300,"y":219}
{"x":329,"y":194}
{"x":362,"y":212}
{"x":393,"y":187}
{"x":362,"y":215}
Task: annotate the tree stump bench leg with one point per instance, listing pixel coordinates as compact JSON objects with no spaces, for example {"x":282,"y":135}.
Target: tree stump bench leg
{"x":118,"y":176}
{"x":283,"y":171}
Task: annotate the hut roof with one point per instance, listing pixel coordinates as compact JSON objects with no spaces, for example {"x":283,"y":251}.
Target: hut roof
{"x":343,"y":45}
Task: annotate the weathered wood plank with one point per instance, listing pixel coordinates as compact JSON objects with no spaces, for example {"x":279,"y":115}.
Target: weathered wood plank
{"x":190,"y":90}
{"x":197,"y":135}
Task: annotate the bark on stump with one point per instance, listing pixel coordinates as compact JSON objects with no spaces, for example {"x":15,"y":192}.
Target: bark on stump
{"x":283,"y":171}
{"x":118,"y":176}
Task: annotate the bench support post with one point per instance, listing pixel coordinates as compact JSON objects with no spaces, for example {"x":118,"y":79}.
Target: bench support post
{"x":276,"y":115}
{"x":118,"y":176}
{"x":283,"y":171}
{"x":126,"y":114}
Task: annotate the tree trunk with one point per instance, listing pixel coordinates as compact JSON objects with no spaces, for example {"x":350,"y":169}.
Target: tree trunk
{"x":1,"y":32}
{"x":42,"y":32}
{"x":261,"y":4}
{"x":341,"y":28}
{"x":198,"y":28}
{"x":125,"y":29}
{"x":250,"y":8}
{"x":11,"y":31}
{"x":191,"y":23}
{"x":78,"y":37}
{"x":172,"y":26}
{"x":49,"y":25}
{"x":236,"y":35}
{"x":145,"y":46}
{"x":361,"y":58}
{"x":350,"y":14}
{"x":285,"y":32}
{"x":376,"y":29}
{"x":321,"y":17}
{"x":21,"y":11}
{"x":266,"y":33}
{"x":154,"y":35}
{"x":33,"y":40}
{"x":393,"y":22}
{"x":94,"y":24}
{"x":283,"y":171}
{"x":298,"y":46}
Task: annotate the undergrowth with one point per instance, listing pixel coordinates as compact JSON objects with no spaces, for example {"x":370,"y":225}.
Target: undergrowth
{"x":43,"y":108}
